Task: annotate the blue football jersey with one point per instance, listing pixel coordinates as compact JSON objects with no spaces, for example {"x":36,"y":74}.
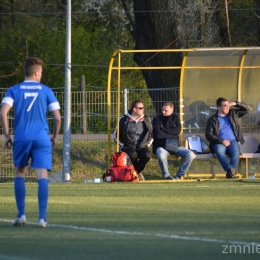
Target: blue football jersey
{"x":31,"y":101}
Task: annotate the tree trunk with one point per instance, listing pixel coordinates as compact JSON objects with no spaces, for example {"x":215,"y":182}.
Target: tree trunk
{"x":154,"y":30}
{"x":188,"y":24}
{"x":258,"y":22}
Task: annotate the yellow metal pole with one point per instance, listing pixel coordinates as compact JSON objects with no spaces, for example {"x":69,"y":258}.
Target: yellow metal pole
{"x":179,"y":67}
{"x":181,"y":90}
{"x":109,"y":106}
{"x":192,"y":50}
{"x":240,"y":73}
{"x":118,"y":99}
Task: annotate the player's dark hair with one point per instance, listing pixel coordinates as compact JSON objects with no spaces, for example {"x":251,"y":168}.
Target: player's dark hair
{"x":30,"y":65}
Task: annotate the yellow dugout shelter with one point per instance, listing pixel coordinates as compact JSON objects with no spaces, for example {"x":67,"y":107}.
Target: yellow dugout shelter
{"x":205,"y":75}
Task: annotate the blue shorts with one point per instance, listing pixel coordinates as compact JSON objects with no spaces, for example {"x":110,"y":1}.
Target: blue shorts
{"x":40,"y":153}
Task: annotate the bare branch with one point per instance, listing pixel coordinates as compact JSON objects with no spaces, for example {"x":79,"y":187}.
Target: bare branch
{"x":228,"y":27}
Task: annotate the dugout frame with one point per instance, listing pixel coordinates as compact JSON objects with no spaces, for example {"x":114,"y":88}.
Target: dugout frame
{"x":205,"y":75}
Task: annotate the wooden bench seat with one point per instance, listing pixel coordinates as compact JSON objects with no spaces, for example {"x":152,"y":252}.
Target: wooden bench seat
{"x":171,"y":156}
{"x":247,"y":151}
{"x":204,"y":156}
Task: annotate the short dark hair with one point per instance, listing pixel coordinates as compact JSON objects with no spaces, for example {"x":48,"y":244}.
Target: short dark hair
{"x":220,"y":100}
{"x":30,"y":65}
{"x":134,"y":103}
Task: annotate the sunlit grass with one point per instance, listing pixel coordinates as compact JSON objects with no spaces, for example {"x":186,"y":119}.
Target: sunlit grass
{"x":187,"y":220}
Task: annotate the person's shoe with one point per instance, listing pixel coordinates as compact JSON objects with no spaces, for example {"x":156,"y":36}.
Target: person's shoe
{"x":176,"y":178}
{"x":231,"y":173}
{"x":43,"y":223}
{"x":141,"y":177}
{"x":169,"y":178}
{"x":19,"y":221}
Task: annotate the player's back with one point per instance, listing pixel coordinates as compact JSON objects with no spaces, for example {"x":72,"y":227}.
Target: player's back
{"x":31,"y":100}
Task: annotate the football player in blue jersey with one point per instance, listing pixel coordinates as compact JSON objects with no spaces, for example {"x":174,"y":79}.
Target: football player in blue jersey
{"x":31,"y":99}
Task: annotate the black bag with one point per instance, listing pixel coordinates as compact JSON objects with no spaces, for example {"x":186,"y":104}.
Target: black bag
{"x":171,"y":145}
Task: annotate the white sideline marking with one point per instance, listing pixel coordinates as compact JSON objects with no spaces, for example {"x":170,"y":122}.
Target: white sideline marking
{"x":117,"y":232}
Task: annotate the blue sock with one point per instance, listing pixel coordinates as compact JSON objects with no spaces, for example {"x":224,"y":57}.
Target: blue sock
{"x":43,"y":191}
{"x":20,"y":193}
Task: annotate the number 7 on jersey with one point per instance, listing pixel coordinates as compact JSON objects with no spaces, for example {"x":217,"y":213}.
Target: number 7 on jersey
{"x":30,"y":94}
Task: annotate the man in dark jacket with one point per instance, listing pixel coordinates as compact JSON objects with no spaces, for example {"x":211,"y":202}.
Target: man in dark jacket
{"x":135,"y":136}
{"x":224,"y":133}
{"x":168,"y":126}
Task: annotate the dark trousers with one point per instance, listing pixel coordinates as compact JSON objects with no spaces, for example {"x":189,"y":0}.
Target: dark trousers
{"x":138,"y":157}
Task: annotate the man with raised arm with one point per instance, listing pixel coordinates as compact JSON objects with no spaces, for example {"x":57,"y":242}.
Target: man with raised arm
{"x":224,"y":133}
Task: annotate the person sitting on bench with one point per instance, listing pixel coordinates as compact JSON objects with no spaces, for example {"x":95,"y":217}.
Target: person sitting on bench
{"x":135,"y":136}
{"x":166,"y":131}
{"x":224,"y":133}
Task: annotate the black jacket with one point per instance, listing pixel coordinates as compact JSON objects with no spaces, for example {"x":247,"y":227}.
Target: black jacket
{"x":163,"y":129}
{"x":125,"y":125}
{"x":212,"y":128}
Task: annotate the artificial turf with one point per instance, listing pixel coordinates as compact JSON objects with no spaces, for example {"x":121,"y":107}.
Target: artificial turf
{"x":182,"y":220}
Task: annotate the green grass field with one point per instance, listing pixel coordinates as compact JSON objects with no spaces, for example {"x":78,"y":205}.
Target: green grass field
{"x":185,"y":220}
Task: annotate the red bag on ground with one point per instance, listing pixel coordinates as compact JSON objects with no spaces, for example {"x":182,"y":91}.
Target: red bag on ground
{"x":119,"y":170}
{"x":121,"y":173}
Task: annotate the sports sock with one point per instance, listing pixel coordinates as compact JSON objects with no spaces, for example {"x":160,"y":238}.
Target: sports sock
{"x":20,"y":193}
{"x":43,"y":191}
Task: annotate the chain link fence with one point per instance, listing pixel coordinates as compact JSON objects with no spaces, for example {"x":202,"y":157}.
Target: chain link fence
{"x":89,"y":128}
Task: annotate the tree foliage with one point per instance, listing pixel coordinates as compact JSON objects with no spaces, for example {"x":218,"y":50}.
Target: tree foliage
{"x":28,"y":28}
{"x":37,"y":28}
